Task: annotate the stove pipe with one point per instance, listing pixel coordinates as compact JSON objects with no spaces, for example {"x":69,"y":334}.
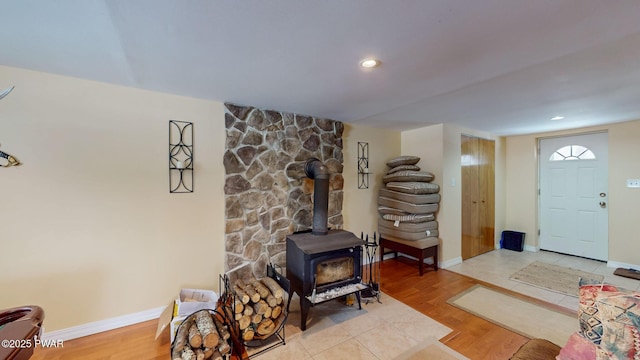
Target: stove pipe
{"x":316,"y":170}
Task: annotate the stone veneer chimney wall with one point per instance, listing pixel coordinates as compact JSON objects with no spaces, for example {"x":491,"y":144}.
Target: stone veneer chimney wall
{"x":267,"y":193}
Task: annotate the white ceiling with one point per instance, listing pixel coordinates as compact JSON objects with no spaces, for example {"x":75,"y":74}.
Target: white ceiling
{"x":500,"y":66}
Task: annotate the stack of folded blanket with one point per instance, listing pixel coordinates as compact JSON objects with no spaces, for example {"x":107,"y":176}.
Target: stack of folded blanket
{"x":408,"y":202}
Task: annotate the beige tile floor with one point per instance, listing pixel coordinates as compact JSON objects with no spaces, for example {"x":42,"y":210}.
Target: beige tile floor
{"x":496,"y":267}
{"x":336,"y":331}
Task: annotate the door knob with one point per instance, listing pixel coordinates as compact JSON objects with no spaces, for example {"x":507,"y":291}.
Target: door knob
{"x":603,"y":204}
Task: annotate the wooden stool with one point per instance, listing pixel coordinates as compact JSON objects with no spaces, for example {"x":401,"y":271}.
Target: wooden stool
{"x":421,"y":249}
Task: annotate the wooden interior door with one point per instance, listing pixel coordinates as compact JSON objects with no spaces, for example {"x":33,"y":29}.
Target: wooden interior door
{"x":478,"y":195}
{"x":470,"y":188}
{"x":486,"y":179}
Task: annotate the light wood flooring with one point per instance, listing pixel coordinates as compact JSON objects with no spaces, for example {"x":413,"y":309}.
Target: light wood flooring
{"x":471,"y":336}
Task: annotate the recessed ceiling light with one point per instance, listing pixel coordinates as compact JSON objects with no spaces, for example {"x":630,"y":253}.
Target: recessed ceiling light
{"x":369,"y":63}
{"x":557,"y":118}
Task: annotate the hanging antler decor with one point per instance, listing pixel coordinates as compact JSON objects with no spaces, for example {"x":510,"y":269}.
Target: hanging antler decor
{"x":11,"y":161}
{"x":6,"y":92}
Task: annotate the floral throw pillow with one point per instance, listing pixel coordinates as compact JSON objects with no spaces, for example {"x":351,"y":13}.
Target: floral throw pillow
{"x":620,"y":315}
{"x":579,"y":348}
{"x":588,"y":313}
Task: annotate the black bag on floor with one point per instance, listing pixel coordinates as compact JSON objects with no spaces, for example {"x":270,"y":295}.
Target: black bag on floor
{"x":512,"y":240}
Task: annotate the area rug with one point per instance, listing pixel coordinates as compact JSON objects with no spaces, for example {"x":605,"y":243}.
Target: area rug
{"x":431,"y":349}
{"x":518,"y":315}
{"x":553,"y":277}
{"x":380,"y":330}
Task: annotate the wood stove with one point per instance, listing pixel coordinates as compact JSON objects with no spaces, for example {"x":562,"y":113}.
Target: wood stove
{"x":323,"y":264}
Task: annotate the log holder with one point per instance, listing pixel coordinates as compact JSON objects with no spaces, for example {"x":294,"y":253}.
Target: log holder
{"x":221,"y":315}
{"x":260,"y":344}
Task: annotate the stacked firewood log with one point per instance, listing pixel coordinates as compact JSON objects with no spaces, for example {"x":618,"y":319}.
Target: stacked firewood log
{"x":258,"y":307}
{"x":202,"y":335}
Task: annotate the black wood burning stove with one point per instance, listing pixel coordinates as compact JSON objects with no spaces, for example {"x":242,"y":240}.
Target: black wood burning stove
{"x":323,"y":264}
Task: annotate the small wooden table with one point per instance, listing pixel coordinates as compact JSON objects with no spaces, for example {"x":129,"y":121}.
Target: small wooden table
{"x":420,"y":249}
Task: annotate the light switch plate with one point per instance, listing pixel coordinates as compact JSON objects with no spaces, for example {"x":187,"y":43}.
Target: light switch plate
{"x":633,"y":183}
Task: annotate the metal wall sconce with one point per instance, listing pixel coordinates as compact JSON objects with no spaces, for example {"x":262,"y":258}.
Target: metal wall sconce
{"x":363,"y":165}
{"x":180,"y":156}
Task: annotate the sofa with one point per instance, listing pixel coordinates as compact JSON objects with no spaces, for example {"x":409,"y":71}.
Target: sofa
{"x":609,"y":318}
{"x":537,"y":349}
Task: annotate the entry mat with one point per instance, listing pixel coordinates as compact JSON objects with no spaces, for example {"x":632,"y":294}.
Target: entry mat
{"x":630,"y":273}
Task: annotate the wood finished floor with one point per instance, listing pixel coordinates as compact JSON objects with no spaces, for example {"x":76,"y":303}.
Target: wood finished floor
{"x":471,"y":336}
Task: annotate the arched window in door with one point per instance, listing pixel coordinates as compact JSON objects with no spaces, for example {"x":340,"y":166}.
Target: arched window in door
{"x":572,"y":152}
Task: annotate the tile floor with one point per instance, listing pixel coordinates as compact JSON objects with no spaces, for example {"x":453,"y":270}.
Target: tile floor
{"x":496,"y":266}
{"x":336,"y":331}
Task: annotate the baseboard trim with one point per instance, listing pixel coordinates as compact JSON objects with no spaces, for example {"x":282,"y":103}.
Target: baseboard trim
{"x":388,"y":256}
{"x":451,"y":262}
{"x":102,"y":325}
{"x":428,"y":261}
{"x":617,"y":264}
{"x":441,"y":264}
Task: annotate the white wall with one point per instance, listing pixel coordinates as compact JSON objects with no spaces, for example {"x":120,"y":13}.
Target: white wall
{"x":360,"y":206}
{"x":428,"y":144}
{"x":89,"y":229}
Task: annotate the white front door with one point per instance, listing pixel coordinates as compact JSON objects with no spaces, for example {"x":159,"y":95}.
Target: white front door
{"x":574,"y":214}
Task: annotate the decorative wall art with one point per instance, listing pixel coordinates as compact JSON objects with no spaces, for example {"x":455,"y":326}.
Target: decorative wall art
{"x":180,"y":156}
{"x":363,"y":165}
